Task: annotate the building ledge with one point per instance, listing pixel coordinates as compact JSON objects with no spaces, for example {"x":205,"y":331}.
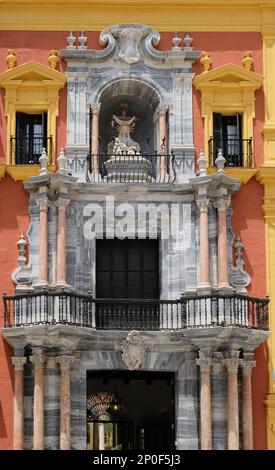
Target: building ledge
{"x":243,"y":174}
{"x":24,"y":172}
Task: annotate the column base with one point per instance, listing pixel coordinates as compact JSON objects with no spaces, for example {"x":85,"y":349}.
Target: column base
{"x":204,"y":289}
{"x":62,"y":285}
{"x":39,"y":285}
{"x":224,"y":289}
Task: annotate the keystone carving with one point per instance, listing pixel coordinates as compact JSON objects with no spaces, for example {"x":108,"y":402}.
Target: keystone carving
{"x":133,"y":350}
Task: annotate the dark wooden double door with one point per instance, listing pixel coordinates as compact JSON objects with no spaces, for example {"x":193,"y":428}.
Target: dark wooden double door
{"x":129,"y":270}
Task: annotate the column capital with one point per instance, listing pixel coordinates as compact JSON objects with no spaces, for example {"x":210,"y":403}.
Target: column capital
{"x":19,"y":362}
{"x":204,"y":363}
{"x":65,"y":362}
{"x":43,"y":203}
{"x":38,"y":361}
{"x":232,"y":365}
{"x":247,"y":367}
{"x":221,"y":204}
{"x":203,"y":204}
{"x":95,"y":107}
{"x":162,"y":109}
{"x":62,"y":203}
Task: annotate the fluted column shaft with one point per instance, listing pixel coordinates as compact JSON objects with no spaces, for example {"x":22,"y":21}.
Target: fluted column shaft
{"x":18,"y":403}
{"x":43,"y":239}
{"x":38,"y":410}
{"x":232,"y":403}
{"x":65,"y":402}
{"x":95,"y":136}
{"x":203,"y":205}
{"x":247,"y":420}
{"x":205,"y":403}
{"x":61,"y":241}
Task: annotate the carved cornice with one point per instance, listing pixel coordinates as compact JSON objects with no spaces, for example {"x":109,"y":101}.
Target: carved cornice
{"x":19,"y":362}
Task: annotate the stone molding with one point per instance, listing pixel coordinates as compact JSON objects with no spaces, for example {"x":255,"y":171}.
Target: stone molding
{"x":18,"y":363}
{"x":65,"y":362}
{"x":247,"y":367}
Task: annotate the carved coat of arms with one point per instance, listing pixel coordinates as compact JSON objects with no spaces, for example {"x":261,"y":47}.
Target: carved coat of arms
{"x":133,"y":350}
{"x":129,"y":45}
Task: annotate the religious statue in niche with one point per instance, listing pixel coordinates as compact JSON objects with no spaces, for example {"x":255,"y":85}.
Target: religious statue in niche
{"x":124,"y":125}
{"x":125,"y":163}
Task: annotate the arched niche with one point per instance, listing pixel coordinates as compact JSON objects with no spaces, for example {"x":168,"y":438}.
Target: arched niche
{"x":142,"y":100}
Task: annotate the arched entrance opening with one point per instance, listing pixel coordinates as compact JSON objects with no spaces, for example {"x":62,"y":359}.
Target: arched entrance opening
{"x":130,"y":410}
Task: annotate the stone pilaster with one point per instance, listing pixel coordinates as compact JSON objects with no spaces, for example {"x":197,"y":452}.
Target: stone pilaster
{"x":205,"y":403}
{"x":65,"y":401}
{"x":247,"y":421}
{"x":232,"y":366}
{"x":38,"y":411}
{"x":18,"y":403}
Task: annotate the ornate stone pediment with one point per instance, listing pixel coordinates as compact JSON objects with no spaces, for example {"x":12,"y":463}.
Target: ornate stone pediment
{"x":133,"y":350}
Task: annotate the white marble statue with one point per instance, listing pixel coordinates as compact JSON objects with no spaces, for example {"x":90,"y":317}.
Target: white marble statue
{"x":123,"y":143}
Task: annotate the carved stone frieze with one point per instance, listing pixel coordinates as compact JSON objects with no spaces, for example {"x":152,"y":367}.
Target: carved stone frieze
{"x":133,"y":350}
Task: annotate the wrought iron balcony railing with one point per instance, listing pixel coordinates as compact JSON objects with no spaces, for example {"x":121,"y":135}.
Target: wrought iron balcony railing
{"x":27,"y":150}
{"x":131,"y":168}
{"x":141,"y":314}
{"x":237,"y":152}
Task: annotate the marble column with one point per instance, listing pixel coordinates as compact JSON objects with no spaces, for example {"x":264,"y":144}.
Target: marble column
{"x":65,"y":401}
{"x":204,"y":282}
{"x":205,"y":403}
{"x":247,"y":421}
{"x":222,"y":205}
{"x":61,"y":204}
{"x":162,"y":112}
{"x":232,"y":366}
{"x":38,"y":409}
{"x":95,"y":135}
{"x":18,"y":403}
{"x":43,"y":204}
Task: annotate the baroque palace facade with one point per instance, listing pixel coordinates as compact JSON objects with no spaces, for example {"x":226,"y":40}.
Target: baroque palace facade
{"x":137,"y":225}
